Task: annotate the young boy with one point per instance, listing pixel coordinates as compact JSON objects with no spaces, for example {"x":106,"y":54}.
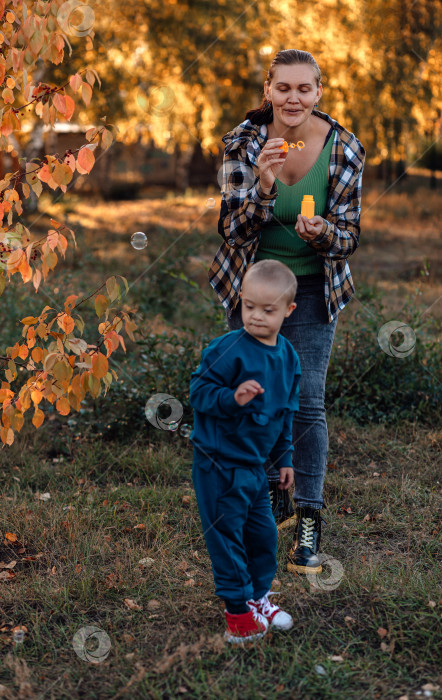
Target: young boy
{"x":244,"y":395}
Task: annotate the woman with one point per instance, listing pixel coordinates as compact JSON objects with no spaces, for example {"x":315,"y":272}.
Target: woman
{"x":260,"y":217}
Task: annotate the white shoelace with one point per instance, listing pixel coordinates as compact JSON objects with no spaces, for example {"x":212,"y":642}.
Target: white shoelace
{"x":307,"y":532}
{"x":266,"y":606}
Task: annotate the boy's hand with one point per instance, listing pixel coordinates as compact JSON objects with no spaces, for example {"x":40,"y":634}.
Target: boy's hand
{"x":286,"y":478}
{"x":246,"y":391}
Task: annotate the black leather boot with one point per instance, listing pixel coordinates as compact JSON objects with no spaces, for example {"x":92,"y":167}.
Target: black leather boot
{"x":303,"y":553}
{"x":282,"y":507}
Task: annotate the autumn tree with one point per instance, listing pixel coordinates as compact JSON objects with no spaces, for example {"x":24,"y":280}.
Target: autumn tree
{"x":58,"y":365}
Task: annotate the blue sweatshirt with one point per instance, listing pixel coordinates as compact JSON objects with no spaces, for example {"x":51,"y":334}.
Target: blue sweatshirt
{"x":245,"y":436}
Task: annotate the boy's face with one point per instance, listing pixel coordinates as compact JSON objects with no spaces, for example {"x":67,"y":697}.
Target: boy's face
{"x":263,"y":309}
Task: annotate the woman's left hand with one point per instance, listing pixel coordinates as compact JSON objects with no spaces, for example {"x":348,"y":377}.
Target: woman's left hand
{"x":308,"y":229}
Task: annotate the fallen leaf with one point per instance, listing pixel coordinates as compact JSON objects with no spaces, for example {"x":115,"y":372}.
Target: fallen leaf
{"x":139,"y":527}
{"x":129,"y":656}
{"x":432,"y":603}
{"x":185,"y":500}
{"x":11,"y":537}
{"x":153,"y":604}
{"x":384,"y":646}
{"x":7,"y":566}
{"x":6,"y":575}
{"x":132,"y":604}
{"x":190,"y":582}
{"x":431,"y":687}
{"x":382,"y":632}
{"x":336,"y":658}
{"x":376,"y":474}
{"x":349,"y":620}
{"x":44,"y":496}
{"x":146,"y":562}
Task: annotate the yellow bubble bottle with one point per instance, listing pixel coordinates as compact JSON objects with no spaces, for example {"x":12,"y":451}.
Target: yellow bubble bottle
{"x":308,"y":206}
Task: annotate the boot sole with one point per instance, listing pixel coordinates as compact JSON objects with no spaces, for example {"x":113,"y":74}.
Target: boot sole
{"x":297,"y":568}
{"x":287,"y":523}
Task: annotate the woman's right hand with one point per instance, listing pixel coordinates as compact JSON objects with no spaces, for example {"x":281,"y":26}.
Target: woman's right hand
{"x":270,"y":162}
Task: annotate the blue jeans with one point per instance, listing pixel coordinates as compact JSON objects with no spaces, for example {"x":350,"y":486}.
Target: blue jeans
{"x":311,"y":334}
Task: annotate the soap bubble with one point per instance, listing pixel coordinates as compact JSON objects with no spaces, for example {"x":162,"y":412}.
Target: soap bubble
{"x":185,"y":430}
{"x":211,"y":203}
{"x":173,"y":425}
{"x":138,"y":240}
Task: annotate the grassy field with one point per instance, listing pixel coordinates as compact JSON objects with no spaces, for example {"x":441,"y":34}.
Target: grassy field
{"x":98,"y":530}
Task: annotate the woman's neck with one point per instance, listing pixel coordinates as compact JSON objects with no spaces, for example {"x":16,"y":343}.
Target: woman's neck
{"x":303,"y":132}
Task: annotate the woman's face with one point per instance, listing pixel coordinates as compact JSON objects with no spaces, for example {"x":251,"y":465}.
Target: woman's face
{"x":293,"y":92}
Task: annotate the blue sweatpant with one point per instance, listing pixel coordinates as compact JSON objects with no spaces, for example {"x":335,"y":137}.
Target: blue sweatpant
{"x":239,"y":528}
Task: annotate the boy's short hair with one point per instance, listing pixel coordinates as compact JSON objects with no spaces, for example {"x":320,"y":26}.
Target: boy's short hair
{"x":274,"y":271}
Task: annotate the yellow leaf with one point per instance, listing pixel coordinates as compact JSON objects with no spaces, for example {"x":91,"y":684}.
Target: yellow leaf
{"x":101,"y":304}
{"x":7,"y":436}
{"x":29,"y":320}
{"x":86,"y":93}
{"x":113,"y":289}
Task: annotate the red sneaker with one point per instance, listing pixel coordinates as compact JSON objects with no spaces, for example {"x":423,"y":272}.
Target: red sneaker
{"x":275,"y":617}
{"x":245,"y":627}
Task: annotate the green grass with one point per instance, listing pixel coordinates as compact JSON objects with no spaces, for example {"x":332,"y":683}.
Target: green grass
{"x":90,"y":549}
{"x":107,"y":471}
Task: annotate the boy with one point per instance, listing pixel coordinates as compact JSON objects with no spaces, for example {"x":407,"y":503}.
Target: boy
{"x":244,"y":395}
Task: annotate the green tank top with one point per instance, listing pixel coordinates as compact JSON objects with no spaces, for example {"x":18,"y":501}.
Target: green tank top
{"x":279,"y":240}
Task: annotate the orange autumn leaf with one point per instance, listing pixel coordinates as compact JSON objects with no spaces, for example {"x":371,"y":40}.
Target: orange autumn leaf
{"x":38,"y":418}
{"x":36,"y":396}
{"x":62,"y":406}
{"x":100,"y":365}
{"x":11,"y":536}
{"x":70,"y":302}
{"x":23,"y":352}
{"x":7,"y":436}
{"x":85,"y":160}
{"x":66,"y":322}
{"x":37,"y":354}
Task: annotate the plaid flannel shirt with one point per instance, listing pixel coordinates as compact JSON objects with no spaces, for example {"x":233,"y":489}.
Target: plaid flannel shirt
{"x":245,"y":207}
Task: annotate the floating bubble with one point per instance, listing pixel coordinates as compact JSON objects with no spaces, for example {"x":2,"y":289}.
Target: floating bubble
{"x":68,"y":14}
{"x":158,"y":405}
{"x":211,"y":203}
{"x":185,"y":430}
{"x":138,"y":240}
{"x":404,"y":348}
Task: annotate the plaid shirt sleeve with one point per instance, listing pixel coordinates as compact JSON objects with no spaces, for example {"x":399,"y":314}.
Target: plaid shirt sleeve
{"x":244,"y":205}
{"x":339,"y":237}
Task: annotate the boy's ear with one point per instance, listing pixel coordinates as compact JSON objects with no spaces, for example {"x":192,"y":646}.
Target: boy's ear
{"x":291,"y":307}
